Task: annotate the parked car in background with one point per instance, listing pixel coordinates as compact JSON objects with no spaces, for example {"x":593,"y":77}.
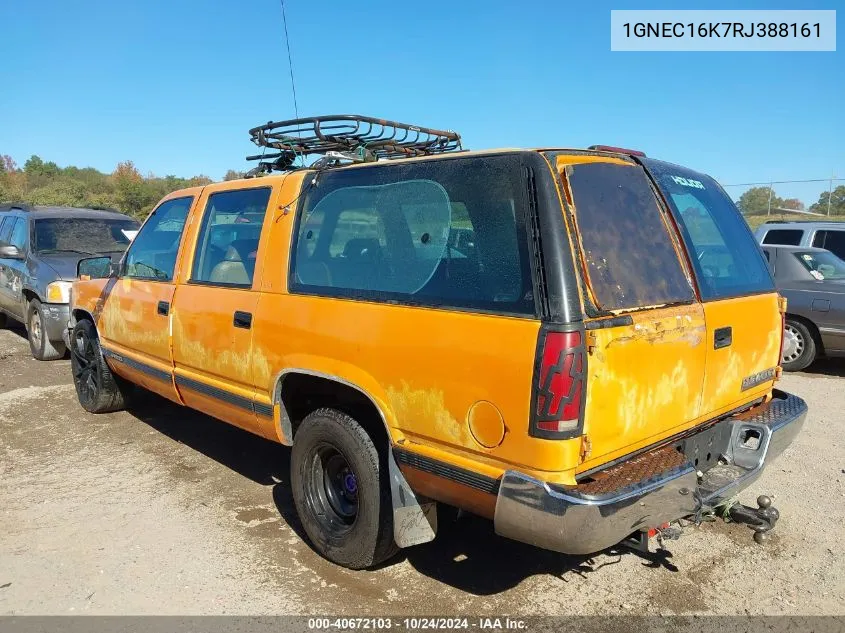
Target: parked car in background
{"x":580,"y":345}
{"x":39,"y":250}
{"x":827,"y":235}
{"x":813,"y":282}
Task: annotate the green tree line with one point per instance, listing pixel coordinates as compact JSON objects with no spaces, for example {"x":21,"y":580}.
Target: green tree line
{"x":125,"y":189}
{"x":758,"y":201}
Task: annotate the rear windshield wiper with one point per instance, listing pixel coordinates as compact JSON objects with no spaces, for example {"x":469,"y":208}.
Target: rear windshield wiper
{"x":65,"y":250}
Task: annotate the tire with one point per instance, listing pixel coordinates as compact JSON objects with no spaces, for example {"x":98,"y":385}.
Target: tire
{"x":799,"y":346}
{"x":2,"y":320}
{"x":341,"y":491}
{"x":97,"y":388}
{"x":41,"y":347}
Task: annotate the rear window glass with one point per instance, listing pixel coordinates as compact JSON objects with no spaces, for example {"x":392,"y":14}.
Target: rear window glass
{"x":440,"y":233}
{"x":728,"y":261}
{"x":627,"y":249}
{"x":790,"y":237}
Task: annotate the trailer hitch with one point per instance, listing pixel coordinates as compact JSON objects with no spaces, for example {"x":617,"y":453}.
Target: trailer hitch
{"x":760,"y":519}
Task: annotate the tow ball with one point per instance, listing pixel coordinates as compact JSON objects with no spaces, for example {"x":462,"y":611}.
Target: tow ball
{"x":760,"y":519}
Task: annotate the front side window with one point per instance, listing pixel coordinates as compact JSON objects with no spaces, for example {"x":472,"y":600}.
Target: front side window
{"x":789,"y":237}
{"x":153,"y":252}
{"x":728,"y":261}
{"x":628,"y":253}
{"x":18,"y":236}
{"x":227,"y":246}
{"x":441,"y":233}
{"x":6,"y":229}
{"x":86,"y":236}
{"x":822,"y":265}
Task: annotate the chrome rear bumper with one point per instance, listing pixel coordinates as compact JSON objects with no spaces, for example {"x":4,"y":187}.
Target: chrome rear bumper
{"x":573,"y":521}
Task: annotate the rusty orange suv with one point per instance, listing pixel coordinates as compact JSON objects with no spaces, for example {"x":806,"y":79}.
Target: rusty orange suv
{"x":580,"y":345}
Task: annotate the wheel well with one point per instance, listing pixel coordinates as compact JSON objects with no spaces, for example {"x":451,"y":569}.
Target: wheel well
{"x":814,"y":330}
{"x":29,"y":295}
{"x":300,"y":394}
{"x":78,"y":315}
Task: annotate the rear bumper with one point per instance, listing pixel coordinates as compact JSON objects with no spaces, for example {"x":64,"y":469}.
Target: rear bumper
{"x":647,"y":491}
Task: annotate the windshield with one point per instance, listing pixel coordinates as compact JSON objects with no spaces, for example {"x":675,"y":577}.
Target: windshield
{"x":87,"y":236}
{"x":822,"y":264}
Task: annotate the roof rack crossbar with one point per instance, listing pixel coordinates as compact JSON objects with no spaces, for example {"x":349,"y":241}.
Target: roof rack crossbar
{"x":372,"y":138}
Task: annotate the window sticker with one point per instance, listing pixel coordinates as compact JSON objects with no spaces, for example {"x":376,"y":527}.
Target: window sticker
{"x":688,"y":182}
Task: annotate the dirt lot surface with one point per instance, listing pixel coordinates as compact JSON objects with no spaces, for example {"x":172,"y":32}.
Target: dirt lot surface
{"x":161,"y":510}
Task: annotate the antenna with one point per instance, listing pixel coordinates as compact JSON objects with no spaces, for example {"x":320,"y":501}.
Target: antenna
{"x":290,"y":63}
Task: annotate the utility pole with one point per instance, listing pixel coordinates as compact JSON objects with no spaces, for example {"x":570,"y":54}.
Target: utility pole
{"x":830,"y":192}
{"x":769,"y":209}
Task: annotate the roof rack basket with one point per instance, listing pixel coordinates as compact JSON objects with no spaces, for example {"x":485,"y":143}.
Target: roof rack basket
{"x":346,"y":137}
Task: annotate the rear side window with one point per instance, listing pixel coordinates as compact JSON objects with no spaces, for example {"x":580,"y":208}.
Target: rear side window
{"x":832,"y":240}
{"x":153,"y":252}
{"x":227,"y":246}
{"x":441,"y":233}
{"x":790,"y":237}
{"x":628,"y":253}
{"x":728,"y":261}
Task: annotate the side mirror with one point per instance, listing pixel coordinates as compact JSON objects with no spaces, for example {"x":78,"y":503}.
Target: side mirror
{"x":11,"y":252}
{"x":96,"y":268}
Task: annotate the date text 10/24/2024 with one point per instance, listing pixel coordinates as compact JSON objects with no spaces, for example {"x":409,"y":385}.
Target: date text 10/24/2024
{"x":417,"y":623}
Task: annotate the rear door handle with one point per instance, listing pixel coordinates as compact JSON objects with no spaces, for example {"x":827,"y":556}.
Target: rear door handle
{"x":242,"y":320}
{"x":722,"y":337}
{"x":163,"y":308}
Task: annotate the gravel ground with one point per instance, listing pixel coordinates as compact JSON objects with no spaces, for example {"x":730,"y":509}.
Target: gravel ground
{"x":162,"y":510}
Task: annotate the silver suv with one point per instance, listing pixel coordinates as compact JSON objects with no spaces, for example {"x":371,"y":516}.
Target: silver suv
{"x":39,"y":251}
{"x":827,"y":235}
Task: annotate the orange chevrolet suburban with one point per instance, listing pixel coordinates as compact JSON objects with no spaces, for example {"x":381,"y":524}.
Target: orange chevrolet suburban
{"x":580,"y":345}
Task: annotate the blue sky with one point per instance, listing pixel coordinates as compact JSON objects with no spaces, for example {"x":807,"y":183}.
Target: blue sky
{"x":174,"y":86}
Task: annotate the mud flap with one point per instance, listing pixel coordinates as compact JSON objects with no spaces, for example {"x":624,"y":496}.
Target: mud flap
{"x":414,"y":517}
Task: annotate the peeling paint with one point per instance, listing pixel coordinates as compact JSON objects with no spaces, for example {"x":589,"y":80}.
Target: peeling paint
{"x":429,"y":407}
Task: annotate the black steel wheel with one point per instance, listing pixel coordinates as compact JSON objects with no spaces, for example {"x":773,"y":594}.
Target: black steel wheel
{"x":98,"y":390}
{"x":341,"y":491}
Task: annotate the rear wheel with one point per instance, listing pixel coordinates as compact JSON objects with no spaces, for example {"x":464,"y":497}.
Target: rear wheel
{"x":799,"y":346}
{"x":341,"y":492}
{"x":97,"y":388}
{"x":41,"y":347}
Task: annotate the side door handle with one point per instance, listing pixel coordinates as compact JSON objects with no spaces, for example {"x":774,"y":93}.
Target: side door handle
{"x":242,"y":320}
{"x":163,"y":308}
{"x":722,"y":337}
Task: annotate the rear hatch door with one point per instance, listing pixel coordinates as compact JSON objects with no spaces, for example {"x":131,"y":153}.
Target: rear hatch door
{"x":744,"y":327}
{"x":645,"y":326}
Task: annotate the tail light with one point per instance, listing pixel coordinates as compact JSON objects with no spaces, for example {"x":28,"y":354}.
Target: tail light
{"x":559,"y":389}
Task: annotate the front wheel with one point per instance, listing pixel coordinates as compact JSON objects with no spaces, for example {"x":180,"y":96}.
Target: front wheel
{"x":799,"y":346}
{"x":341,"y":492}
{"x":97,"y":388}
{"x":42,"y":348}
